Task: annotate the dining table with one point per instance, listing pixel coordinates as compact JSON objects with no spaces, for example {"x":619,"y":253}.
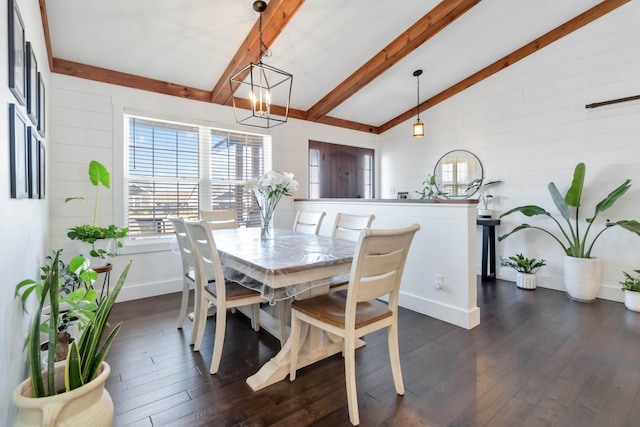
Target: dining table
{"x":283,"y":266}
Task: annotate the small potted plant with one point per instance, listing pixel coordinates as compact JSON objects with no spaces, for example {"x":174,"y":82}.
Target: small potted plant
{"x":76,"y":302}
{"x":105,"y":241}
{"x":525,"y":268}
{"x":484,"y":197}
{"x":429,"y":189}
{"x":72,"y":393}
{"x":631,"y":288}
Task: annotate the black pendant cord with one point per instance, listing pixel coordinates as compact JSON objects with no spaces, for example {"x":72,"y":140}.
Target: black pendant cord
{"x":417,"y":74}
{"x":418,"y":98}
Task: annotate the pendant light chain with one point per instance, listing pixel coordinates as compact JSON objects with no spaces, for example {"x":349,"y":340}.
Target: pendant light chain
{"x":264,"y":50}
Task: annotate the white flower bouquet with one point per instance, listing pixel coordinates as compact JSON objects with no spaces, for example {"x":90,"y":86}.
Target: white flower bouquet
{"x":268,"y":191}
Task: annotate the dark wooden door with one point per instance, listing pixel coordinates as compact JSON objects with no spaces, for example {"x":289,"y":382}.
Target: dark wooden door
{"x":343,"y":175}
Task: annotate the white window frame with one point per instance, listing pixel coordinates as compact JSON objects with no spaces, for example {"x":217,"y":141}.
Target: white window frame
{"x":204,"y":176}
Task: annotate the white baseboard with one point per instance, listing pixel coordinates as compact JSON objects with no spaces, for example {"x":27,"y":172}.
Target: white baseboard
{"x":145,"y":290}
{"x":607,"y":291}
{"x":467,"y":319}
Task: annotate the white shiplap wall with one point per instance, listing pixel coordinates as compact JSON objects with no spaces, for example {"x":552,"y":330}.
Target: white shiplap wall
{"x":528,"y":125}
{"x":87,"y":124}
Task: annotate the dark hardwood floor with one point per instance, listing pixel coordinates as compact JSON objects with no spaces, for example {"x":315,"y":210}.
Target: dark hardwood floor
{"x":537,"y":359}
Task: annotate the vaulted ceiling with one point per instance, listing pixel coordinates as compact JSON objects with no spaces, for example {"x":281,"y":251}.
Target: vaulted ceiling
{"x":352,"y":60}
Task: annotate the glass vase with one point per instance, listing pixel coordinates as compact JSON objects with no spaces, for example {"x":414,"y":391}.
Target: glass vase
{"x":266,"y":230}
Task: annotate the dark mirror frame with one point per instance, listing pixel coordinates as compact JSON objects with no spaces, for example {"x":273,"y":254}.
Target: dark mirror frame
{"x":462,"y":190}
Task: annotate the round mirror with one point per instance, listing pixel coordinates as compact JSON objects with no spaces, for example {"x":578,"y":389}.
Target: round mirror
{"x":458,"y":174}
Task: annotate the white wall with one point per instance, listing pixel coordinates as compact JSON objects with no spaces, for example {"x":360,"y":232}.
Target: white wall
{"x":23,"y":223}
{"x":529,"y":126}
{"x":87,"y":123}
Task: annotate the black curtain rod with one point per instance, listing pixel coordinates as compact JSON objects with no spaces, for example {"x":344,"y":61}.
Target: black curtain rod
{"x":613,"y":101}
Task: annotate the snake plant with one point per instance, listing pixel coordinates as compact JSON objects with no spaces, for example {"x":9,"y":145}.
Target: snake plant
{"x":572,"y":241}
{"x":85,"y":355}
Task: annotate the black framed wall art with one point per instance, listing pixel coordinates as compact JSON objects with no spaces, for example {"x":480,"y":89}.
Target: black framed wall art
{"x":42,"y":164}
{"x":41,"y":106}
{"x":18,"y":153}
{"x":17,"y":57}
{"x":32,"y":84}
{"x":34,"y":164}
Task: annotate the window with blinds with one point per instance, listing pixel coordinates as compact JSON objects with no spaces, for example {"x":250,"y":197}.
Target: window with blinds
{"x":178,"y":169}
{"x":235,"y":158}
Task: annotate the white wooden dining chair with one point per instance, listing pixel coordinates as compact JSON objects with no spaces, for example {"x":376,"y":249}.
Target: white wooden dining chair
{"x":352,"y":313}
{"x":348,"y":227}
{"x":225,"y":218}
{"x":223,"y":294}
{"x":220,"y":219}
{"x":188,"y":266}
{"x":308,"y":222}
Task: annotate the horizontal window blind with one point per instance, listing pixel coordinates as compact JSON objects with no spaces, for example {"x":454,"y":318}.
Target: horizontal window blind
{"x":234,"y":158}
{"x":163,"y":175}
{"x":170,"y":175}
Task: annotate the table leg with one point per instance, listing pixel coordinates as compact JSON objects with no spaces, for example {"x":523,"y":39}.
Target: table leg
{"x":314,"y":346}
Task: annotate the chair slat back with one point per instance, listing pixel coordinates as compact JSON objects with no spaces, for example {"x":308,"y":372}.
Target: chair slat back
{"x":224,"y":218}
{"x":378,"y":265}
{"x":308,"y":222}
{"x":186,"y":253}
{"x":348,"y":227}
{"x":206,"y":256}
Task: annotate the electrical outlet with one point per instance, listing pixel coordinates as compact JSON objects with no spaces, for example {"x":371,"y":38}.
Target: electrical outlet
{"x":438,"y":281}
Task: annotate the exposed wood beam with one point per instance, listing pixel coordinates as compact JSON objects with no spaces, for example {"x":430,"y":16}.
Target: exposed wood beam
{"x":103,"y":75}
{"x":429,"y":25}
{"x":557,"y":33}
{"x":301,"y":115}
{"x":347,"y":124}
{"x":89,"y":72}
{"x":274,"y":19}
{"x":45,"y":30}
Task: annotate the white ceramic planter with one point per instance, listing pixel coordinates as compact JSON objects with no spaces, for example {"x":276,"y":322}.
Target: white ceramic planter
{"x":526,"y":280}
{"x":485,"y":213}
{"x":89,"y":405}
{"x":632,"y":300}
{"x":97,"y":262}
{"x":582,"y":278}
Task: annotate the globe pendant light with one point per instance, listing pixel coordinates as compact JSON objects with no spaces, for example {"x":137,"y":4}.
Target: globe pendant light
{"x":418,"y":126}
{"x":268,"y":89}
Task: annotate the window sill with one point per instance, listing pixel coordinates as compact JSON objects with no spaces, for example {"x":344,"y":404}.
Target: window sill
{"x":147,"y":245}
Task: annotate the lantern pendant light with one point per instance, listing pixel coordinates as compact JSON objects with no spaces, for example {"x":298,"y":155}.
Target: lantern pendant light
{"x":268,"y":89}
{"x":418,"y":126}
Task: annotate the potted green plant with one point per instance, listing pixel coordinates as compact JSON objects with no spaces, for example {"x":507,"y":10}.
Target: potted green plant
{"x":71,"y":394}
{"x":525,"y":269}
{"x":631,"y":288}
{"x":581,"y":272}
{"x":76,"y":301}
{"x":92,"y":234}
{"x":429,"y":189}
{"x":482,"y":187}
